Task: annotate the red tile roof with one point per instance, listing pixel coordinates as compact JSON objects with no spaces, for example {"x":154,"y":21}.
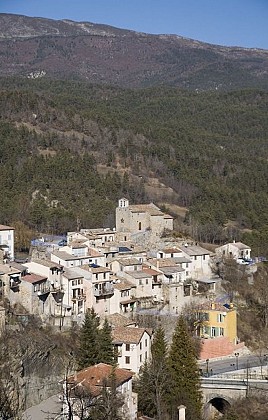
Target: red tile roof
{"x":128,"y":334}
{"x":94,"y":377}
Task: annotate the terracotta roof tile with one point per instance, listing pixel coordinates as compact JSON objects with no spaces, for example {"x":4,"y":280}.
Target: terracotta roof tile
{"x":93,"y":377}
{"x":128,"y":335}
{"x":124,"y":285}
{"x":33,"y":278}
{"x":119,"y":320}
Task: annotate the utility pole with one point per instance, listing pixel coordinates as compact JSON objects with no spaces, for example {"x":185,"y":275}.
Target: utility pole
{"x":247,"y":381}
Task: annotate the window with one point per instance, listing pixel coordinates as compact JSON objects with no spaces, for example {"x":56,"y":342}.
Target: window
{"x":104,"y":275}
{"x":141,"y":358}
{"x":146,"y":355}
{"x":9,"y":237}
{"x":146,"y":281}
{"x":195,"y":257}
{"x":204,"y":257}
{"x":187,"y":265}
{"x":220,"y":318}
{"x":127,"y":360}
{"x":140,"y":282}
{"x":146,"y":342}
{"x":140,"y":345}
{"x":127,"y":347}
{"x":221,"y":331}
{"x":213,"y":332}
{"x":139,"y":225}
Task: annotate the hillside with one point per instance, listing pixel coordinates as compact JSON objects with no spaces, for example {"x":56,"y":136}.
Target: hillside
{"x":70,"y":150}
{"x":100,"y":54}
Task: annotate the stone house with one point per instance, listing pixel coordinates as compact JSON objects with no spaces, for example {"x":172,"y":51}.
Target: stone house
{"x":53,"y":272}
{"x":133,"y":219}
{"x":234,"y":250}
{"x":87,"y":287}
{"x":31,"y":291}
{"x":200,"y":261}
{"x":93,"y":237}
{"x":76,"y":255}
{"x":120,"y":265}
{"x":123,"y":299}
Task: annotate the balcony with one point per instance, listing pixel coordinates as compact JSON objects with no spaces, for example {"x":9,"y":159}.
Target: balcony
{"x":104,"y":291}
{"x":55,"y":288}
{"x":79,"y":297}
{"x":44,"y":291}
{"x":14,"y":284}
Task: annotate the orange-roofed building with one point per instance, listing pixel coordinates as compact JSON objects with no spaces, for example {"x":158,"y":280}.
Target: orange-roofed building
{"x":86,"y":386}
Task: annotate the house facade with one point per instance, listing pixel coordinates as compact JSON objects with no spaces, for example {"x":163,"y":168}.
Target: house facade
{"x":218,"y":321}
{"x":7,"y":242}
{"x":133,"y":346}
{"x":234,"y":250}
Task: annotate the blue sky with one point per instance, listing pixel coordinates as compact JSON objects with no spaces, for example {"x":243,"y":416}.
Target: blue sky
{"x":224,"y":22}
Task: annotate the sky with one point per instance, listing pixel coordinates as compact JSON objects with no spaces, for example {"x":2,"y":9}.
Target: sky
{"x":224,"y":22}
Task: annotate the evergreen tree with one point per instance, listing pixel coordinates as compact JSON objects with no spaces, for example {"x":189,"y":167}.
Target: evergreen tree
{"x":184,"y":374}
{"x":160,"y":377}
{"x":154,"y":379}
{"x":109,"y":404}
{"x":106,"y":348}
{"x":88,"y":353}
{"x":145,"y":391}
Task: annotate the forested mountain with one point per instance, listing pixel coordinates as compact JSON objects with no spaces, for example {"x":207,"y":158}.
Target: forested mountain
{"x":38,"y":47}
{"x":210,"y":147}
{"x":90,"y":113}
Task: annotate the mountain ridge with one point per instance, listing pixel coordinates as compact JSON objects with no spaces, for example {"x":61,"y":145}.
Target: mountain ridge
{"x":65,"y":49}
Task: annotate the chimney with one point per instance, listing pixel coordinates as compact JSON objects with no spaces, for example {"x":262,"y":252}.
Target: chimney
{"x":181,"y":410}
{"x":213,"y":306}
{"x":157,"y":264}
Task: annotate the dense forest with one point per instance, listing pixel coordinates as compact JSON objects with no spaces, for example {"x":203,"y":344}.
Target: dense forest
{"x":209,"y":147}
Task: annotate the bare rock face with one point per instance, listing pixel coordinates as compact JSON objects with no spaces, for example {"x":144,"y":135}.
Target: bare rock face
{"x":64,"y":49}
{"x":33,"y":362}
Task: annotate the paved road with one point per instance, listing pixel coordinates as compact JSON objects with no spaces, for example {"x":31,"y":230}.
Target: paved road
{"x":46,"y":410}
{"x":230,"y":364}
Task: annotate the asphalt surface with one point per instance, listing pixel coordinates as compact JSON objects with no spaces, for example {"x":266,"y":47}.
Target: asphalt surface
{"x":46,"y":410}
{"x":230,"y":364}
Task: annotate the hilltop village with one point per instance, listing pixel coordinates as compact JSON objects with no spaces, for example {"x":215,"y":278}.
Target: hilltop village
{"x":136,"y":269}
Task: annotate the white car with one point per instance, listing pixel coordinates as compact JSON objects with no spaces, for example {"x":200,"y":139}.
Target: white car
{"x":242,"y":261}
